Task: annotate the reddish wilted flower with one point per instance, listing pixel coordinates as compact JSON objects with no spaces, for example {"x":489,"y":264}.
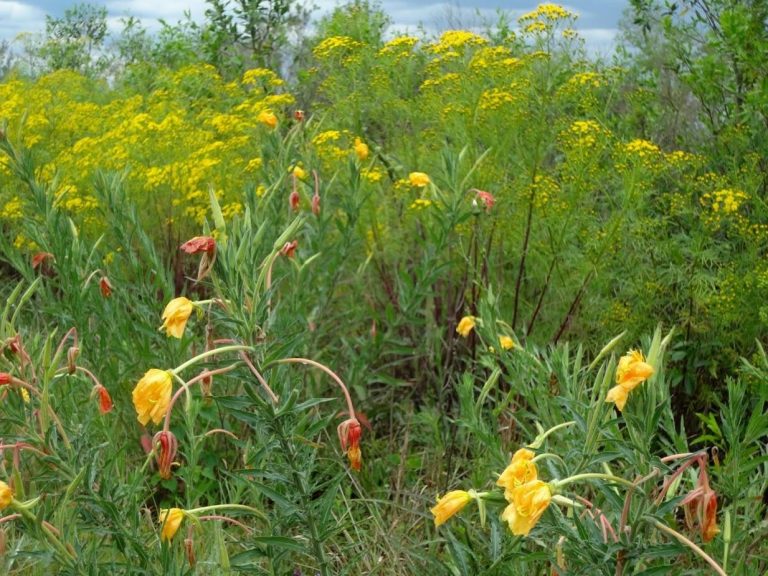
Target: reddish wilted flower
{"x":349,"y":437}
{"x":105,"y":400}
{"x":72,"y":355}
{"x":316,"y":204}
{"x":486,"y":198}
{"x":166,"y":446}
{"x":289,"y":249}
{"x":40,"y":257}
{"x":293,"y":200}
{"x":700,"y":506}
{"x":105,"y":286}
{"x":298,"y":115}
{"x":199,"y":244}
{"x":5,"y":378}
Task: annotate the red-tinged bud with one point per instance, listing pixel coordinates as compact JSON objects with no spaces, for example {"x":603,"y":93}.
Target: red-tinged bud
{"x":289,"y":249}
{"x":199,"y":244}
{"x":105,"y":286}
{"x":166,"y":447}
{"x":105,"y":400}
{"x":316,"y":204}
{"x":189,"y":549}
{"x":72,"y":355}
{"x":40,"y":257}
{"x":486,"y":198}
{"x":293,"y":201}
{"x":350,"y":432}
{"x":5,"y":378}
{"x":298,"y":115}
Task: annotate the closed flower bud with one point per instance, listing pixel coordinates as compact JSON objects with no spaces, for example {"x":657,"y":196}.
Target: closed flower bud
{"x":105,"y":286}
{"x":105,"y":400}
{"x":166,"y":447}
{"x":293,"y":200}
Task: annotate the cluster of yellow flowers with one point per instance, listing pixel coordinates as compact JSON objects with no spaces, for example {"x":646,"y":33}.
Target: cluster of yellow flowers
{"x":456,"y":40}
{"x":335,"y":46}
{"x":552,"y":12}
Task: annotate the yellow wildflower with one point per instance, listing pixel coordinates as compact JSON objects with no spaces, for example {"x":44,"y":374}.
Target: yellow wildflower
{"x":361,"y":149}
{"x":152,"y":395}
{"x":520,"y":471}
{"x":466,"y":325}
{"x":450,"y":504}
{"x":175,"y":316}
{"x":527,"y":503}
{"x":170,"y":520}
{"x":6,"y":495}
{"x":268,"y":118}
{"x":631,"y":371}
{"x":506,"y":342}
{"x":418,"y":179}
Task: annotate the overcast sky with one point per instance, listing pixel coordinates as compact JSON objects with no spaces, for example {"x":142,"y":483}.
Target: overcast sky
{"x":597,"y":21}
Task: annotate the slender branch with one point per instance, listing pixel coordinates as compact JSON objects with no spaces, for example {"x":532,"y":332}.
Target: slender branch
{"x":683,"y":540}
{"x":331,"y":373}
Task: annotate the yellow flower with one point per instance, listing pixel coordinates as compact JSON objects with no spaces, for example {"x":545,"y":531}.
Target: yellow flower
{"x":521,"y":470}
{"x":506,"y":342}
{"x":466,"y":325}
{"x":527,"y":503}
{"x":298,"y":171}
{"x":170,"y":520}
{"x":361,"y":149}
{"x":418,"y":179}
{"x":6,"y":495}
{"x":452,"y":503}
{"x":175,"y":316}
{"x":152,"y":395}
{"x":631,"y":372}
{"x":268,"y":118}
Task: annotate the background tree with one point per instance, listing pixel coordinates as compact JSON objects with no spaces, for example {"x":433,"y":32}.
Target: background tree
{"x":76,"y":40}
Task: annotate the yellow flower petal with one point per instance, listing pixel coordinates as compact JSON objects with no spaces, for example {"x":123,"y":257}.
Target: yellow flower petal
{"x":175,"y":316}
{"x":6,"y":495}
{"x":152,"y":395}
{"x":450,"y":504}
{"x":466,"y":325}
{"x":170,"y":518}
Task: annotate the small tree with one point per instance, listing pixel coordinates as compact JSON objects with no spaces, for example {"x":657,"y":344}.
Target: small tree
{"x":75,"y":40}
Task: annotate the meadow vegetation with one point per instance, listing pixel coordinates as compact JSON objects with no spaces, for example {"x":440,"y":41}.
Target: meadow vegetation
{"x":353,"y":302}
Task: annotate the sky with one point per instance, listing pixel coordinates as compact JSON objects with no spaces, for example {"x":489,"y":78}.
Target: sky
{"x":597,"y":23}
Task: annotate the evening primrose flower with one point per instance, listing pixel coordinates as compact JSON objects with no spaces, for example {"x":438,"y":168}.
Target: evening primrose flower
{"x":631,"y":372}
{"x":527,"y":503}
{"x":418,"y":179}
{"x":466,"y":325}
{"x":361,"y":149}
{"x":152,"y":395}
{"x":175,"y":316}
{"x":449,"y":505}
{"x":6,"y":495}
{"x":521,"y":470}
{"x":506,"y":342}
{"x":170,"y":518}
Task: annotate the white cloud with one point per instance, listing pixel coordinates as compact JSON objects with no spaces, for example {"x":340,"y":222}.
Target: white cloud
{"x":17,"y":17}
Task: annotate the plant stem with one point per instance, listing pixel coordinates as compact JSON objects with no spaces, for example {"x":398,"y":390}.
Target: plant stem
{"x":683,"y":540}
{"x":592,"y":476}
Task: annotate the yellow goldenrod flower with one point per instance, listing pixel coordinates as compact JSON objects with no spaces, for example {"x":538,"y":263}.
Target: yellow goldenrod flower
{"x":527,"y":503}
{"x":631,"y":372}
{"x":268,"y":118}
{"x":170,"y":520}
{"x":452,"y":503}
{"x":175,"y":316}
{"x":521,"y":470}
{"x":466,"y":325}
{"x":6,"y":495}
{"x":361,"y":149}
{"x":418,"y":179}
{"x":152,"y":395}
{"x":506,"y":342}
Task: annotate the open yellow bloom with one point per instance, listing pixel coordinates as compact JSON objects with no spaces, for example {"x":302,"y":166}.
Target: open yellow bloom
{"x":506,"y":342}
{"x":418,"y":179}
{"x":452,"y":503}
{"x":466,"y":325}
{"x":6,"y":495}
{"x":521,"y":470}
{"x":268,"y":118}
{"x":631,"y":371}
{"x":361,"y":149}
{"x":152,"y":395}
{"x":175,"y":316}
{"x":528,"y":502}
{"x":171,"y":519}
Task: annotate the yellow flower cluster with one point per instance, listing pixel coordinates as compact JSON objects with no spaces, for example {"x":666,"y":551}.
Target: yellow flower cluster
{"x":642,"y":149}
{"x":456,"y":40}
{"x":262,"y":76}
{"x":399,"y":45}
{"x":336,"y":46}
{"x":528,"y":497}
{"x":583,"y":134}
{"x":552,"y":12}
{"x":494,"y":99}
{"x":724,"y":206}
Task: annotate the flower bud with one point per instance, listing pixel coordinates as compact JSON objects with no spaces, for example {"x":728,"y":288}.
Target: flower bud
{"x":166,"y":447}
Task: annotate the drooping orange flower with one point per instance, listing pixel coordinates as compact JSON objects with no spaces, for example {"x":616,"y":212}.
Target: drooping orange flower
{"x":105,"y":286}
{"x":527,"y":503}
{"x":466,"y":325}
{"x":6,"y":495}
{"x":700,"y":507}
{"x":521,"y":470}
{"x":630,"y":373}
{"x":105,"y":400}
{"x":170,"y":518}
{"x":5,"y":378}
{"x":293,"y":200}
{"x":298,"y":115}
{"x":289,"y":249}
{"x":486,"y":198}
{"x":350,"y":432}
{"x":450,"y":505}
{"x":166,"y":447}
{"x":40,"y":257}
{"x":418,"y":179}
{"x":268,"y":118}
{"x":175,"y":316}
{"x":199,"y":244}
{"x":152,"y":395}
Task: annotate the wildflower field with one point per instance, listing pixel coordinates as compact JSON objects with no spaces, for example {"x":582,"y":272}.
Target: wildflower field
{"x":473,"y":303}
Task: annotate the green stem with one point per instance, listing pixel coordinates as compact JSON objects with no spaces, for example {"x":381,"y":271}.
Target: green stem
{"x":591,"y":476}
{"x":52,"y":538}
{"x":208,"y":354}
{"x":683,"y":540}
